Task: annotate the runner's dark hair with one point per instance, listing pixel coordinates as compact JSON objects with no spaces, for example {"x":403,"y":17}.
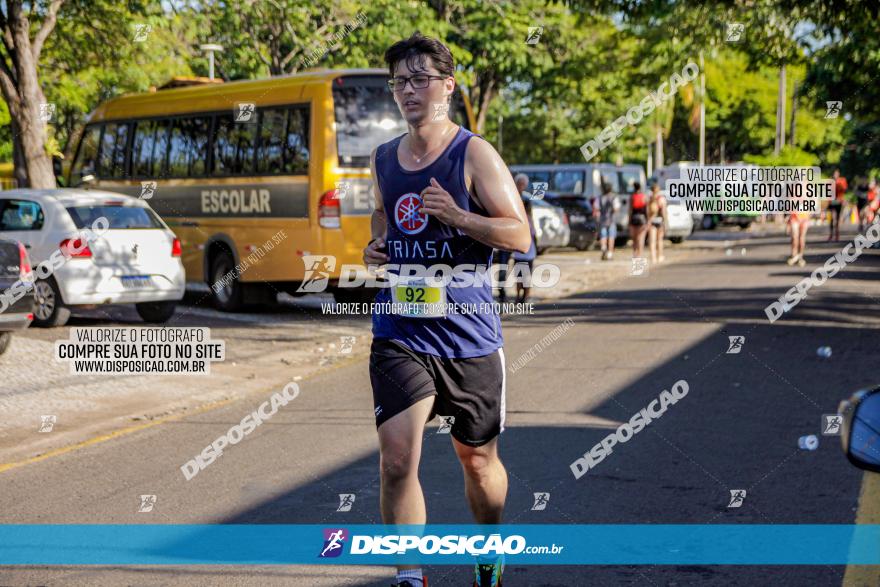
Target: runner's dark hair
{"x":415,"y":49}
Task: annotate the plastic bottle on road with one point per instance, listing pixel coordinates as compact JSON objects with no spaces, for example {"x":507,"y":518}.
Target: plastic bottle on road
{"x":808,"y":442}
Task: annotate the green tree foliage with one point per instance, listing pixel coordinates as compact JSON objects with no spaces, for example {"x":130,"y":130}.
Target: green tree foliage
{"x":593,"y":61}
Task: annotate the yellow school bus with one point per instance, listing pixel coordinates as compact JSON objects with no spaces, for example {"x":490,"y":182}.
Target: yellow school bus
{"x":7,"y":177}
{"x":253,"y":176}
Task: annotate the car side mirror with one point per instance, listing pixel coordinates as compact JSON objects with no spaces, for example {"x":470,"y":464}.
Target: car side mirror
{"x":860,"y":432}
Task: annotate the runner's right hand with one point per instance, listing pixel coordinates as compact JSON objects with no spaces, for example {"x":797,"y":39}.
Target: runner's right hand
{"x":374,"y":253}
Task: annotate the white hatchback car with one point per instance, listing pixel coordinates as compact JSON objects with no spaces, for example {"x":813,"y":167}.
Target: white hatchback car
{"x":679,"y":222}
{"x":130,"y":255}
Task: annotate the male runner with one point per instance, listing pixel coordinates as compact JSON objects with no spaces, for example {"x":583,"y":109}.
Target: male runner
{"x":443,"y":196}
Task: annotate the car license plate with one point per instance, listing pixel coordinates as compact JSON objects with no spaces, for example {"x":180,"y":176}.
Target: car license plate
{"x":577,"y":218}
{"x":136,"y":281}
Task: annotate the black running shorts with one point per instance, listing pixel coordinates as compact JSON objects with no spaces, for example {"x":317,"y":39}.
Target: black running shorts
{"x":470,"y":390}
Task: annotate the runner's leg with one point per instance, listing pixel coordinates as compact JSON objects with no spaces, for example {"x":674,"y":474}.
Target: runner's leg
{"x":661,"y":235}
{"x":401,"y":499}
{"x":400,"y":447}
{"x":485,"y":480}
{"x":802,"y":244}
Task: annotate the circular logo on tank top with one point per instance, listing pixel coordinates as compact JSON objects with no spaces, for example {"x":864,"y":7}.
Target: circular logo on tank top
{"x":406,"y":214}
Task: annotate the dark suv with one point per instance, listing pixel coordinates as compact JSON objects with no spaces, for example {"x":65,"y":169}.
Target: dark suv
{"x":16,"y":290}
{"x":580,"y":218}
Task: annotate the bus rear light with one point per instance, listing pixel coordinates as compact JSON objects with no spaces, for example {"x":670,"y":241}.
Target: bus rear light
{"x":328,"y":210}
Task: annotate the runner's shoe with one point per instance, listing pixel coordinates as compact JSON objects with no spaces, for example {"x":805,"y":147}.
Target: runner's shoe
{"x":406,"y":583}
{"x":488,"y":573}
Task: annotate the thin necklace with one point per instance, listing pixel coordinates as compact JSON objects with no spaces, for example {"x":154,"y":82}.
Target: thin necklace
{"x":419,"y":159}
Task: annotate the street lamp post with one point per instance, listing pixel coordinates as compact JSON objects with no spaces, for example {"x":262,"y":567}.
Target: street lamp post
{"x":211,"y":48}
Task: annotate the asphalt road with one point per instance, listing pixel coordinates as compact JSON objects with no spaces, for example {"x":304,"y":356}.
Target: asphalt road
{"x":737,"y":428}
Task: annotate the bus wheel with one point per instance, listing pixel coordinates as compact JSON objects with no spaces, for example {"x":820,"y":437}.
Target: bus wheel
{"x":226,"y":289}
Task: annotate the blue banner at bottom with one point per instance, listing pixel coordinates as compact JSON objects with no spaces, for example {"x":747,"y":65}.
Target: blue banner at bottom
{"x":521,"y":544}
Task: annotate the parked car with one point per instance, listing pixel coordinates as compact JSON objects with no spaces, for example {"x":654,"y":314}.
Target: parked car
{"x":677,"y":170}
{"x":136,"y":260}
{"x":710,"y":221}
{"x":860,"y":429}
{"x":551,"y":225}
{"x":16,"y":281}
{"x":585,"y":180}
{"x":582,"y":226}
{"x":679,"y":222}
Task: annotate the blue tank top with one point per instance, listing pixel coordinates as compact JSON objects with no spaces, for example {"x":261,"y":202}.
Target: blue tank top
{"x":421,"y":239}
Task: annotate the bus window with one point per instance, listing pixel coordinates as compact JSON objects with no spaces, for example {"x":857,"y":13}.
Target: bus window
{"x":283,"y":144}
{"x":87,"y":153}
{"x":149,"y":148}
{"x":367,"y":116}
{"x":188,"y":147}
{"x":296,"y":155}
{"x":233,"y":146}
{"x":111,"y":162}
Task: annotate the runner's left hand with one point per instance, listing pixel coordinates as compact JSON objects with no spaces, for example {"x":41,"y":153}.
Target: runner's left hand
{"x":439,"y":203}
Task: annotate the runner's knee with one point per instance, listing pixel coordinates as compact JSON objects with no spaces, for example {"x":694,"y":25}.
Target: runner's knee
{"x":476,"y":460}
{"x":397,"y":461}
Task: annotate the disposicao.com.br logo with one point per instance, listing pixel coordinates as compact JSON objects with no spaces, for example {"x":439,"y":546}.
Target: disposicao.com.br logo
{"x":429,"y":544}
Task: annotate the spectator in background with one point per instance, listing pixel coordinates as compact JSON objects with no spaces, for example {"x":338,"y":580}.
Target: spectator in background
{"x":522,"y":183}
{"x":523,"y":262}
{"x":657,"y":222}
{"x":836,"y":205}
{"x":873,"y":202}
{"x":638,"y":219}
{"x":861,"y":200}
{"x":604,"y":209}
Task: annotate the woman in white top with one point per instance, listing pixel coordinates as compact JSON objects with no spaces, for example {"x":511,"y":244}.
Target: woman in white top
{"x":657,"y":224}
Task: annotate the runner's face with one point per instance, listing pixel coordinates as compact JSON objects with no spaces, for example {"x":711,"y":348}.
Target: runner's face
{"x":419,"y":105}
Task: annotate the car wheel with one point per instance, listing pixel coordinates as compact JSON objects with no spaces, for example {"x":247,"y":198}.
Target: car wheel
{"x":5,"y":339}
{"x":156,"y":312}
{"x":676,"y":240}
{"x":227,"y":298}
{"x":745,"y":226}
{"x":708,"y":222}
{"x":582,"y":245}
{"x":49,"y":310}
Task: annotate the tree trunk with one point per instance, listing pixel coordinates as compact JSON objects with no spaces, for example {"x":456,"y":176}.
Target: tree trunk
{"x":18,"y":161}
{"x":658,"y":150}
{"x":793,"y":126}
{"x":486,"y":95}
{"x":29,"y":96}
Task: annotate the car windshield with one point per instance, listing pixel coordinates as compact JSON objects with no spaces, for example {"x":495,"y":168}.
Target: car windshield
{"x":120,"y":217}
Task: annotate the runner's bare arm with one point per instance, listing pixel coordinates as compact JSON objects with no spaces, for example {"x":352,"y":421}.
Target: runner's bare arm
{"x":487,"y":177}
{"x":378,"y":227}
